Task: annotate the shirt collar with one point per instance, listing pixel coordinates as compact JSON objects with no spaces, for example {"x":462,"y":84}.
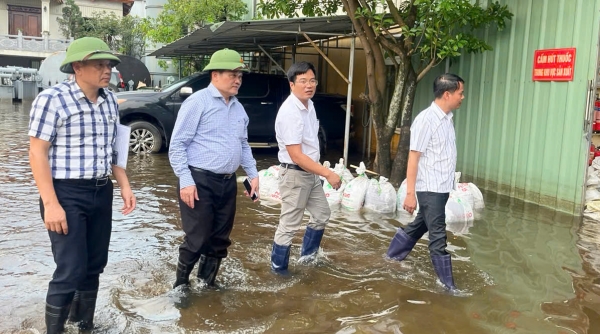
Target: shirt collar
{"x":78,"y":93}
{"x":440,"y":113}
{"x":299,"y":103}
{"x":214,"y":92}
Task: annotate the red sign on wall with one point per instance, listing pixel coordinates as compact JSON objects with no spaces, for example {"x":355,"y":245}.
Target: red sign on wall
{"x":554,"y":64}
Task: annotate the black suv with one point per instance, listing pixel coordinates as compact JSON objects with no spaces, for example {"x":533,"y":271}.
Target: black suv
{"x":151,"y":114}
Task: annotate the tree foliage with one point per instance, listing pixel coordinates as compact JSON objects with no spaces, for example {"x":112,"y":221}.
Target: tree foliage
{"x":121,"y":34}
{"x":71,"y":22}
{"x":415,"y":35}
{"x":180,"y":17}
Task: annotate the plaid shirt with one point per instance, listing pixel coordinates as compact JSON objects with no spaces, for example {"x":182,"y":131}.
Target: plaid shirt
{"x":81,"y":133}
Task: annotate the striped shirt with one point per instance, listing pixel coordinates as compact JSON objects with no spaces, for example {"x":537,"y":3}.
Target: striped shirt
{"x":432,"y":134}
{"x":297,"y":125}
{"x":81,"y":133}
{"x":212,"y":135}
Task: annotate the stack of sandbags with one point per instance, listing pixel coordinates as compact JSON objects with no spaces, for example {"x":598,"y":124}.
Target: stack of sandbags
{"x":592,"y":193}
{"x":462,"y":203}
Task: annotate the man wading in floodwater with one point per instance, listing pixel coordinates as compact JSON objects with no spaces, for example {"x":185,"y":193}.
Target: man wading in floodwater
{"x":72,"y":129}
{"x":430,"y":175}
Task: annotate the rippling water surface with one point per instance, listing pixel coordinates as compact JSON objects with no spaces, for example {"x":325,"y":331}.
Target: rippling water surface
{"x":519,"y":268}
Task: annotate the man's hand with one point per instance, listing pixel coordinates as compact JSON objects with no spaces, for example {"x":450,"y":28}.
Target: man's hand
{"x":128,"y":200}
{"x":254,"y":189}
{"x":55,"y":219}
{"x":334,"y":180}
{"x":410,"y":203}
{"x":188,"y":195}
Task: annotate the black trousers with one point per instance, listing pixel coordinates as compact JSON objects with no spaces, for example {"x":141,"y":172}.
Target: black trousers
{"x":82,"y":254}
{"x":208,"y":225}
{"x":432,"y":218}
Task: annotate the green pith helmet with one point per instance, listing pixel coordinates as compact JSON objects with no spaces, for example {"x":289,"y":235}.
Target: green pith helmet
{"x":226,"y":59}
{"x":87,"y":48}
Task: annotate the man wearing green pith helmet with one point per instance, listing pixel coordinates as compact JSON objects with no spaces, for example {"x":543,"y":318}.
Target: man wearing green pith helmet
{"x":72,"y":129}
{"x":209,"y":143}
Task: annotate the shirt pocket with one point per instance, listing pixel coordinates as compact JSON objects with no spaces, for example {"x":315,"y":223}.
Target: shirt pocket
{"x":240,"y":129}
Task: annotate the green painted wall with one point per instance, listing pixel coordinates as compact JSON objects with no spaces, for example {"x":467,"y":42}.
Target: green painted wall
{"x":515,"y":136}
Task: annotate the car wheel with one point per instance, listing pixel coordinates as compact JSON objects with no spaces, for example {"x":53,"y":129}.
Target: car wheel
{"x":145,"y":138}
{"x":322,"y":140}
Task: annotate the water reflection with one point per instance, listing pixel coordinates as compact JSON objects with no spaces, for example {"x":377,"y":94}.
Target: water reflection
{"x":520,"y":268}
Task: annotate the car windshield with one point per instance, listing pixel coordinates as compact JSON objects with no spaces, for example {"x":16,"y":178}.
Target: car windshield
{"x":178,"y":84}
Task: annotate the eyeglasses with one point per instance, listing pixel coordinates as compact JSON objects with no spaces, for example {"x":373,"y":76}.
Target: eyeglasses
{"x":305,"y":82}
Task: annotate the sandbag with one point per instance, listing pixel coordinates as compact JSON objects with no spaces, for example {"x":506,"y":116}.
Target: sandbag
{"x":343,"y":172}
{"x":380,"y":196}
{"x":464,"y":192}
{"x":268,"y":184}
{"x":592,"y":206}
{"x":458,"y":210}
{"x":401,"y":197}
{"x":334,"y":197}
{"x":478,"y":202}
{"x":592,"y":179}
{"x":592,"y":194}
{"x":596,"y":163}
{"x":354,"y":193}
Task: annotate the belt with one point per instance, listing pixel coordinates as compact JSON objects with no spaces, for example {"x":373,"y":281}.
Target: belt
{"x":292,"y":166}
{"x":209,"y":173}
{"x":99,"y":182}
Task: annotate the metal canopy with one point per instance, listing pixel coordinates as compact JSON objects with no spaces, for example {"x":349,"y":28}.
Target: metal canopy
{"x":247,"y":35}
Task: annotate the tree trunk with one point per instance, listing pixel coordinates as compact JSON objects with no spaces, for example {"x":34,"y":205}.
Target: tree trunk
{"x":401,"y":160}
{"x":386,"y":126}
{"x":383,"y":158}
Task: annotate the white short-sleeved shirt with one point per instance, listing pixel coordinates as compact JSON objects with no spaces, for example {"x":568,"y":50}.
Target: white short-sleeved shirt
{"x":297,"y":125}
{"x":432,"y":134}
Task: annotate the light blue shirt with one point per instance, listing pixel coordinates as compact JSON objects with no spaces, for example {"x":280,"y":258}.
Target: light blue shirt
{"x":212,"y":135}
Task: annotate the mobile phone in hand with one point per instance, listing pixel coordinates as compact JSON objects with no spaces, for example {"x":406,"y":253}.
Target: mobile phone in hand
{"x":249,"y":189}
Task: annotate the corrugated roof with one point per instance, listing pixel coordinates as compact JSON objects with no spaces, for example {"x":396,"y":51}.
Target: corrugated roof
{"x":246,"y":35}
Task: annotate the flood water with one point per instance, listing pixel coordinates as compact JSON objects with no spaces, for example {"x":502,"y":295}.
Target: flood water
{"x":520,"y":268}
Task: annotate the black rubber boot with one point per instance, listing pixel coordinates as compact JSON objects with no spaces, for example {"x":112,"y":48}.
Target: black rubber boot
{"x":208,"y":269}
{"x":56,"y":316}
{"x":86,"y":309}
{"x":74,"y":314}
{"x":182,"y":276}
